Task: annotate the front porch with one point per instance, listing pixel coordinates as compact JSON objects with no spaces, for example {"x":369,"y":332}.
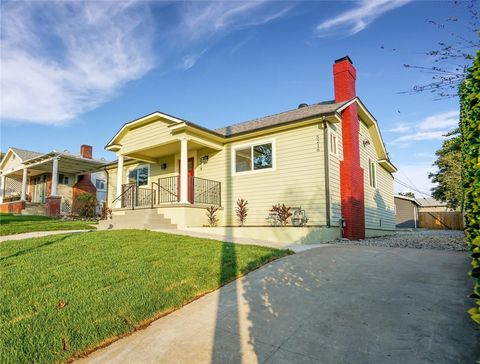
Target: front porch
{"x":167,"y":191}
{"x":45,"y":184}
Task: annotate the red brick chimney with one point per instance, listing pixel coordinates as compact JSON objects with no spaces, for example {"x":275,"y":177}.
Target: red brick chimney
{"x":86,"y":151}
{"x":351,"y":174}
{"x":84,"y":183}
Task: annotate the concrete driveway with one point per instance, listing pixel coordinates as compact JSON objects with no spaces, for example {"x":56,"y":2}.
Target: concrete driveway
{"x":334,"y":304}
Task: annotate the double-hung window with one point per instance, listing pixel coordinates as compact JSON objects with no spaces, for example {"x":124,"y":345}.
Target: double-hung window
{"x":100,"y":184}
{"x":372,"y":173}
{"x":139,"y":175}
{"x":333,"y":144}
{"x":254,"y":157}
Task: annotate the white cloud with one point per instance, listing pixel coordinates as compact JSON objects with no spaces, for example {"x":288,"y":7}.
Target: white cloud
{"x":433,"y":127}
{"x":201,"y":19}
{"x":401,"y":128}
{"x":358,"y":18}
{"x":420,"y":136}
{"x":189,"y":60}
{"x":447,"y":120}
{"x":61,"y":59}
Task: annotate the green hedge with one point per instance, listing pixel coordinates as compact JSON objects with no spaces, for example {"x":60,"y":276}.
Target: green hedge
{"x":470,"y":130}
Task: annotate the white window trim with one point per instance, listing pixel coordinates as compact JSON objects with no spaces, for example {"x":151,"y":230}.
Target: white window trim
{"x":374,"y":164}
{"x":337,"y":152}
{"x":104,"y":184}
{"x":251,"y":145}
{"x":136,"y":167}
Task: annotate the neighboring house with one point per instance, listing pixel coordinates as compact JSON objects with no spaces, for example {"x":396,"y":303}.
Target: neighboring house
{"x":406,"y":212}
{"x":429,"y":204}
{"x":45,"y":183}
{"x":326,"y":158}
{"x":99,"y":180}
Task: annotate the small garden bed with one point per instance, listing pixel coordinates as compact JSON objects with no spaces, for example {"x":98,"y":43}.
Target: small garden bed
{"x":64,"y":295}
{"x":18,"y":224}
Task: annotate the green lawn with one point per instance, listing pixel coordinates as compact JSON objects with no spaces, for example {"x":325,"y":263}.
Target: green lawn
{"x":108,"y":282}
{"x":14,"y":224}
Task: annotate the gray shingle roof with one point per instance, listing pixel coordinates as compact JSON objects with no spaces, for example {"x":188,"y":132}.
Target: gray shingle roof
{"x":26,"y":154}
{"x":320,"y":109}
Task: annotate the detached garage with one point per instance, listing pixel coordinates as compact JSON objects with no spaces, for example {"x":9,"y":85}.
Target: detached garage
{"x":406,"y":212}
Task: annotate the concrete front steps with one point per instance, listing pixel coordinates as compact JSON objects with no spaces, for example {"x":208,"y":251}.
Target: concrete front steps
{"x":32,"y":208}
{"x":137,"y":219}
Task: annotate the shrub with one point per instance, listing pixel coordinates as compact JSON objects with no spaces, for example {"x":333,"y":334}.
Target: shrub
{"x":470,"y":131}
{"x":105,"y":212}
{"x":86,"y":205}
{"x":212,"y":216}
{"x":282,"y":212}
{"x":241,"y":210}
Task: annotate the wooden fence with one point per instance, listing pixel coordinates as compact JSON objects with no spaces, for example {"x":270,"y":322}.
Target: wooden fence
{"x":451,"y":220}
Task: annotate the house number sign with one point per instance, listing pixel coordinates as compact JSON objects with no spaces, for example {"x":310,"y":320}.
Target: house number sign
{"x":318,"y":143}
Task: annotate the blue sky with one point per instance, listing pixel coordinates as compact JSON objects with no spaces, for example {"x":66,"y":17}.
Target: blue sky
{"x":74,"y":72}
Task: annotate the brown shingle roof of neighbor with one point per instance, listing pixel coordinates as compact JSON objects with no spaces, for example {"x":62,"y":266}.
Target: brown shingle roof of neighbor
{"x":430,"y":201}
{"x":25,"y":154}
{"x":304,"y":112}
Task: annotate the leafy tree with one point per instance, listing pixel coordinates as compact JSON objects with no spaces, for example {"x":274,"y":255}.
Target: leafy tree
{"x":449,"y":175}
{"x":470,"y":129}
{"x":407,"y":194}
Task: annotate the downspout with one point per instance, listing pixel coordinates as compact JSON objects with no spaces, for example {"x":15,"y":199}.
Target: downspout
{"x":327,"y":170}
{"x":108,"y":180}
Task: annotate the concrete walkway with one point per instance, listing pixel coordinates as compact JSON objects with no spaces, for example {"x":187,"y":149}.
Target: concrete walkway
{"x":38,"y":234}
{"x":337,"y":304}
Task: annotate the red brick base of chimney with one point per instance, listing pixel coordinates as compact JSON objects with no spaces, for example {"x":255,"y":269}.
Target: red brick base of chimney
{"x":52,"y":205}
{"x":352,"y":200}
{"x":85,"y":185}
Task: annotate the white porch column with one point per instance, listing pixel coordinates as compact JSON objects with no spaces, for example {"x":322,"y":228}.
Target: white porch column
{"x":118,"y":203}
{"x":23,"y":196}
{"x":183,"y":170}
{"x":54,"y":177}
{"x":2,"y":190}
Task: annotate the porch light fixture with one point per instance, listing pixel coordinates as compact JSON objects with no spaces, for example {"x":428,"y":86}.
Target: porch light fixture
{"x":204,"y":159}
{"x":366,"y":142}
{"x":163,"y":166}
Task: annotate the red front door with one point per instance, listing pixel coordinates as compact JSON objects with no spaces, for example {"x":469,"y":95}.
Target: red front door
{"x":191,"y":173}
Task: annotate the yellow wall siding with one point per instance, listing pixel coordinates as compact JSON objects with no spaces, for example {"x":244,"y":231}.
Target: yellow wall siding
{"x":12,"y":162}
{"x":298,"y":178}
{"x":379,"y":205}
{"x":154,"y":133}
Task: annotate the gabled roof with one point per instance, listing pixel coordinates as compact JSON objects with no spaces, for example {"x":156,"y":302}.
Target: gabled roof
{"x":407,"y":198}
{"x":24,"y":154}
{"x":303,"y":112}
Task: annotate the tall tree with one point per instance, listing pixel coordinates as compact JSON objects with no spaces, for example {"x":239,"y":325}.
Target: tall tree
{"x":449,"y":174}
{"x":407,"y":194}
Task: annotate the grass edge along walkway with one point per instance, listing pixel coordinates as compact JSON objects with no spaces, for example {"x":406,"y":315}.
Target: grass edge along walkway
{"x":19,"y":224}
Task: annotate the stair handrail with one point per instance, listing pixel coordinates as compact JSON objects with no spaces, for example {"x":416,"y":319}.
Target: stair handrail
{"x":131,"y":185}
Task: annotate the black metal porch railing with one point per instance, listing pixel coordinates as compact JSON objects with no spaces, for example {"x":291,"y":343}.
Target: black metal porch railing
{"x":206,"y":191}
{"x":166,"y":190}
